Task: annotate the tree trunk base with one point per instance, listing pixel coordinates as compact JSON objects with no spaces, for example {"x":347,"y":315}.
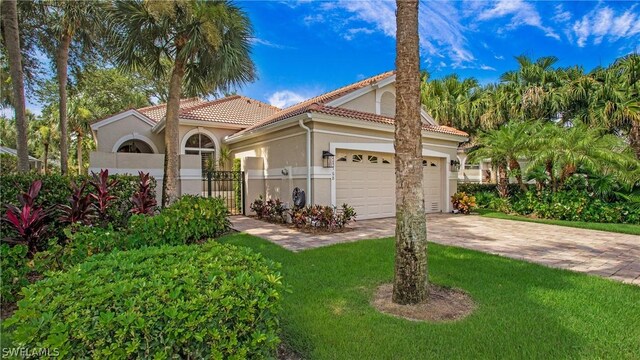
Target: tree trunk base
{"x":443,"y":304}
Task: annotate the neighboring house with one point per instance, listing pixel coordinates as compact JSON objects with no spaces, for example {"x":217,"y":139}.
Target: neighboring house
{"x":34,"y":163}
{"x":481,"y":172}
{"x":352,"y":127}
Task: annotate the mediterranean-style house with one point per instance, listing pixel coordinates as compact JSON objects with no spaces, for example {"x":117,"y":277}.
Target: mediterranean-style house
{"x":337,"y":147}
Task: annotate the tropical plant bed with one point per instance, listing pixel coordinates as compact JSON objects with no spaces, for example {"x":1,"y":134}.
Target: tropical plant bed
{"x":307,"y":230}
{"x":523,"y":310}
{"x":617,"y":228}
{"x":315,"y":219}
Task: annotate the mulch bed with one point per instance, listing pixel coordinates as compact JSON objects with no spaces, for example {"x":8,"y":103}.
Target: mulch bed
{"x":444,"y":304}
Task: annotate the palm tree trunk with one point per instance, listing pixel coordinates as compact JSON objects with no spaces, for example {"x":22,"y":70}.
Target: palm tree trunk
{"x":12,"y":37}
{"x":634,"y":137}
{"x":46,"y":158}
{"x":79,"y":152}
{"x":514,"y":165}
{"x":503,"y":181}
{"x":170,"y":191}
{"x":62,"y":60}
{"x":552,"y":179}
{"x":410,"y":276}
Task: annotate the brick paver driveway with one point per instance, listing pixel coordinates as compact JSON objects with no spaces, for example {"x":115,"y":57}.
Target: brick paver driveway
{"x":612,"y":255}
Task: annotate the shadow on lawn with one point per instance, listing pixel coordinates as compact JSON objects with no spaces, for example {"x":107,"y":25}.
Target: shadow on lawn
{"x":524,"y":310}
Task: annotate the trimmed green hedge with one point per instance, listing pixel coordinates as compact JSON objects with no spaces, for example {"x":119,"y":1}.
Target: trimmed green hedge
{"x":473,"y":188}
{"x":15,"y":268}
{"x":192,"y":219}
{"x":209,"y":301}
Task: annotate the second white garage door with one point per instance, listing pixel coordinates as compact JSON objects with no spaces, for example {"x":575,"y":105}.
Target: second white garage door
{"x":366,"y":181}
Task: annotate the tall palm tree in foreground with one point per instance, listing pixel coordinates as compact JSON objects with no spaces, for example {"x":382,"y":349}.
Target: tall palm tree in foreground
{"x":410,"y":277}
{"x":11,"y":36}
{"x":205,"y":43}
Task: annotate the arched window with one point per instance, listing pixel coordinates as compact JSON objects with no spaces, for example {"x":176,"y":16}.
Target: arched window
{"x":135,"y":146}
{"x":203,"y":145}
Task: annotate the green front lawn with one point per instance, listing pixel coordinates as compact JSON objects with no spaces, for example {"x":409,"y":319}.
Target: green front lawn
{"x":617,"y":228}
{"x":524,"y":310}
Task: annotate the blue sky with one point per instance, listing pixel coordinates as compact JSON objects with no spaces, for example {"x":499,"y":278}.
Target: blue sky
{"x":305,"y":48}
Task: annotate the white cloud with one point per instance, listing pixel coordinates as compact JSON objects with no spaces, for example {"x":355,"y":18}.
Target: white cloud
{"x":268,"y":43}
{"x":521,"y":13}
{"x":487,"y":67}
{"x":441,"y":31}
{"x":603,"y":22}
{"x":313,"y":19}
{"x":561,"y":15}
{"x":498,"y":57}
{"x":351,"y":33}
{"x":285,"y":98}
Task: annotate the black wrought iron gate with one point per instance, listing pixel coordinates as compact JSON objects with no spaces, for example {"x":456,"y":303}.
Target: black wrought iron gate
{"x":228,"y":185}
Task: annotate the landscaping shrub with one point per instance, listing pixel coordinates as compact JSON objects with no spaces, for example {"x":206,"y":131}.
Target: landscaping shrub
{"x":463,"y":202}
{"x":14,"y":263}
{"x":483,"y":198}
{"x":323,"y":217}
{"x":271,"y":210}
{"x":82,"y":242}
{"x":144,"y":200}
{"x":190,"y":220}
{"x":27,"y":223}
{"x":209,"y":301}
{"x":237,"y":185}
{"x":8,"y":164}
{"x":56,"y":189}
{"x":474,"y":188}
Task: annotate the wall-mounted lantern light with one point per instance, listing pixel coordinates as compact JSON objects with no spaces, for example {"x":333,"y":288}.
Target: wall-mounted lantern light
{"x":455,"y":165}
{"x":327,"y":159}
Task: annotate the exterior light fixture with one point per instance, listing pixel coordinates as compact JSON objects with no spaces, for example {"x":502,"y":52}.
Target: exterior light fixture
{"x":327,"y":159}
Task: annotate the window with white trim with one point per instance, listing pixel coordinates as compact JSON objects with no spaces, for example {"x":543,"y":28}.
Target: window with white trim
{"x":203,"y":145}
{"x":135,"y":146}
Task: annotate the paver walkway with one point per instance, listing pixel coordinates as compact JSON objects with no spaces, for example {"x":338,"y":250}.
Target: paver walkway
{"x":612,"y":255}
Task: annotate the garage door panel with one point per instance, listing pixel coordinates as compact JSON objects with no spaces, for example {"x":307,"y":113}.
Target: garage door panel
{"x":368,"y":183}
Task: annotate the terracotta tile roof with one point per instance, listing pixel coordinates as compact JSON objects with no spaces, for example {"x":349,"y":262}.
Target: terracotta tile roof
{"x":318,"y":105}
{"x":359,"y":115}
{"x":302,"y":107}
{"x":234,"y":109}
{"x":157,"y":112}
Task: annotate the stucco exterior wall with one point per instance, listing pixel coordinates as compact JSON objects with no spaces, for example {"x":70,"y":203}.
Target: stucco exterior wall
{"x":365,"y":103}
{"x":284,"y":165}
{"x":108,"y":135}
{"x":124,"y":163}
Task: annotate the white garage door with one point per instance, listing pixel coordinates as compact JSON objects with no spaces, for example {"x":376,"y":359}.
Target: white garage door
{"x":366,"y":181}
{"x":432,"y":184}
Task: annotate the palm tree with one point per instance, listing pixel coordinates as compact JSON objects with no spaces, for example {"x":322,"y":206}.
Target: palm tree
{"x":410,"y":284}
{"x":496,"y":146}
{"x":205,"y":43}
{"x":11,"y":37}
{"x":79,"y":122}
{"x":224,"y":156}
{"x":69,"y":27}
{"x":45,"y":138}
{"x":450,"y":101}
{"x":564,"y":151}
